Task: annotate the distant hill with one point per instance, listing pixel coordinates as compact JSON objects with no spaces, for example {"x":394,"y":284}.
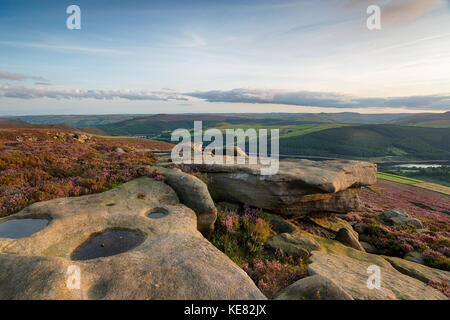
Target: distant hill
{"x":164,"y":124}
{"x":431,"y":120}
{"x":103,"y":120}
{"x":341,"y":117}
{"x":77,"y":120}
{"x":92,"y":130}
{"x":11,"y":121}
{"x":372,"y":141}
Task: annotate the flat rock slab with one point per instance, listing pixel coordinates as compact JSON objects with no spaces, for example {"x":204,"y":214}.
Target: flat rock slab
{"x":327,"y":176}
{"x":174,"y":261}
{"x":300,"y":186}
{"x":419,"y":271}
{"x":351,"y":276}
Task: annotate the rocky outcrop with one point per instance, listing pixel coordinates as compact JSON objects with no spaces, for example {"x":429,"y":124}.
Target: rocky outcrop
{"x":194,"y":194}
{"x":172,"y":260}
{"x":314,"y":288}
{"x":418,"y":271}
{"x":300,"y":186}
{"x":333,"y":224}
{"x":295,"y":243}
{"x":348,"y":238}
{"x":347,"y":269}
{"x":352,"y":276}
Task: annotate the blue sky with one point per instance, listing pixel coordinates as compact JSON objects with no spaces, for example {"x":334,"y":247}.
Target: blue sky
{"x":224,"y":56}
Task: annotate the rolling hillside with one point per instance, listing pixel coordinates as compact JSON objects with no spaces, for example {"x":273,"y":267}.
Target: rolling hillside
{"x":430,"y":120}
{"x":372,"y":142}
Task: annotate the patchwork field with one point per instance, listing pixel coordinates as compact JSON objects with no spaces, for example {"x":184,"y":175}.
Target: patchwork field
{"x":414,"y":182}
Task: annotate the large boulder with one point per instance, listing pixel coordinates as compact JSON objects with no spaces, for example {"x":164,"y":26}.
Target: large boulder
{"x":352,"y":276}
{"x":194,"y":193}
{"x":314,"y":288}
{"x":348,"y":238}
{"x":300,"y":186}
{"x":163,"y":255}
{"x":418,"y":271}
{"x":346,"y":268}
{"x":400,"y":217}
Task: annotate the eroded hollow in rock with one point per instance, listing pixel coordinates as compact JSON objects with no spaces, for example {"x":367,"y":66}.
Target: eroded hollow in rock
{"x":21,"y":228}
{"x":157,"y":213}
{"x":108,"y":243}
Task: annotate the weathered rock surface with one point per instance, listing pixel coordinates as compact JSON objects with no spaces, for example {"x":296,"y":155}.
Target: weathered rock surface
{"x":414,"y":256}
{"x":351,"y":275}
{"x":348,"y":238}
{"x":400,"y":217}
{"x":296,"y":243}
{"x":174,"y":261}
{"x":418,"y":271}
{"x":334,"y":224}
{"x":369,"y":247}
{"x":346,"y":267}
{"x":300,"y":186}
{"x":194,"y":193}
{"x":314,"y":288}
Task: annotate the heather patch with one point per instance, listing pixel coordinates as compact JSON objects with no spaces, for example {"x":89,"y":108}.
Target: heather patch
{"x":443,"y":286}
{"x":242,"y":237}
{"x":429,"y":207}
{"x":397,"y":241}
{"x":43,"y":164}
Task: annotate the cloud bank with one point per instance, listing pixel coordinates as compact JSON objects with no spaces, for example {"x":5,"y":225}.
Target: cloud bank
{"x":253,"y":96}
{"x":30,"y":93}
{"x":323,"y":99}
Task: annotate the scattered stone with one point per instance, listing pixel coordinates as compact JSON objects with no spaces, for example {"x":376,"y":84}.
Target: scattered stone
{"x":174,"y":261}
{"x":314,"y":288}
{"x":347,"y":238}
{"x":394,"y":213}
{"x":400,"y":217}
{"x":119,"y":150}
{"x":82,"y":138}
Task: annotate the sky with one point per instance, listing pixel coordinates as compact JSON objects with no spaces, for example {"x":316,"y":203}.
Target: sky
{"x":195,"y":56}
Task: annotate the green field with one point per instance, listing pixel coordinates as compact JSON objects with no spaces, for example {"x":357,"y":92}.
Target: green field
{"x":286,"y":131}
{"x":396,"y":178}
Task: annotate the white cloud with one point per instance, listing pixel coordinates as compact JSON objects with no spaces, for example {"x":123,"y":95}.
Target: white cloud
{"x":30,"y":93}
{"x":77,"y":49}
{"x":323,"y":99}
{"x":20,"y":77}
